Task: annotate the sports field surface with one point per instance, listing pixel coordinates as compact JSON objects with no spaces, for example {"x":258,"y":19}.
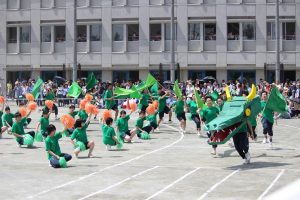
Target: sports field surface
{"x":169,"y":166}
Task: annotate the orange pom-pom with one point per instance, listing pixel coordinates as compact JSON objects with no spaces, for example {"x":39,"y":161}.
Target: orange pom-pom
{"x":29,"y":97}
{"x":89,"y":108}
{"x":155,"y":103}
{"x":49,"y":104}
{"x":2,"y":99}
{"x":23,"y":111}
{"x":96,"y":110}
{"x":106,"y":114}
{"x":133,"y":105}
{"x":32,"y":106}
{"x":150,"y":109}
{"x":68,"y":121}
{"x":82,"y":104}
{"x":88,"y":97}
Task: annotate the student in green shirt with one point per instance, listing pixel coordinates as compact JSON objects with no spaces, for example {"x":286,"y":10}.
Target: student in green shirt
{"x":53,"y":148}
{"x":51,"y":96}
{"x":110,"y":103}
{"x":43,"y":124}
{"x":153,"y":120}
{"x":2,"y":128}
{"x":193,"y":108}
{"x":208,"y":115}
{"x":267,"y":119}
{"x":139,"y":124}
{"x":7,"y":119}
{"x":109,"y":134}
{"x":180,"y":114}
{"x":18,"y":128}
{"x":162,"y":106}
{"x":122,"y":127}
{"x":72,"y":111}
{"x":143,"y":104}
{"x":79,"y":135}
{"x":83,"y":115}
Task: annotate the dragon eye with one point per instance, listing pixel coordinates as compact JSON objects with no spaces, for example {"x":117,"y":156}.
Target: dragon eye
{"x":248,"y":112}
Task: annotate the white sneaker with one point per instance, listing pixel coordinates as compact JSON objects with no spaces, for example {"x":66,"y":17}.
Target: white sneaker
{"x":248,"y":157}
{"x":198,"y":133}
{"x":108,"y":147}
{"x":230,"y":144}
{"x":18,"y":145}
{"x":271,"y":144}
{"x":157,"y":129}
{"x":264,"y":141}
{"x":183,"y":131}
{"x":268,"y":140}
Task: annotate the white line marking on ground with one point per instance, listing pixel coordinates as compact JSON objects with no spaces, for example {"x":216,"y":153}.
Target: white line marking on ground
{"x":172,"y":184}
{"x":109,"y":167}
{"x":272,"y":184}
{"x":217,"y":184}
{"x":289,"y":126}
{"x":118,"y":183}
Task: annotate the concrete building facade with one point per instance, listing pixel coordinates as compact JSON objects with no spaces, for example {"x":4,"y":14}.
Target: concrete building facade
{"x":127,"y":39}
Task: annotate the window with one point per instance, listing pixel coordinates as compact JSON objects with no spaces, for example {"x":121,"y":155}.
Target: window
{"x":155,"y":32}
{"x":60,"y":3}
{"x":133,"y":32}
{"x":60,"y":34}
{"x":25,"y":4}
{"x":233,"y":31}
{"x":168,"y":31}
{"x":81,"y":33}
{"x":12,"y":34}
{"x":249,"y":31}
{"x":95,"y":32}
{"x":95,"y":3}
{"x":25,"y":34}
{"x":209,"y":31}
{"x":194,"y":31}
{"x":271,"y":31}
{"x":46,"y":33}
{"x":80,"y":3}
{"x":12,"y":4}
{"x":288,"y":31}
{"x":118,"y":33}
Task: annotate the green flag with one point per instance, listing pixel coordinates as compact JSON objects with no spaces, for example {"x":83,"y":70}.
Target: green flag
{"x":276,"y":101}
{"x":75,"y":90}
{"x":91,"y":81}
{"x":149,"y":82}
{"x":214,"y":95}
{"x":122,"y":91}
{"x":136,"y":94}
{"x":199,"y":102}
{"x":177,"y":90}
{"x":154,"y":88}
{"x":37,"y":87}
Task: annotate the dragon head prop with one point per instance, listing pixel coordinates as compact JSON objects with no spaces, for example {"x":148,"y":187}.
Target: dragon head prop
{"x":233,"y":117}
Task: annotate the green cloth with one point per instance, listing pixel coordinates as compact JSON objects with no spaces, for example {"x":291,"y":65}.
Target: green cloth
{"x":267,"y":113}
{"x":37,"y":88}
{"x":139,"y":123}
{"x":199,"y":102}
{"x":91,"y":81}
{"x":18,"y":127}
{"x":8,"y":118}
{"x":122,"y":124}
{"x":51,"y":144}
{"x":162,"y":102}
{"x":44,"y":124}
{"x":73,"y":114}
{"x":80,"y":134}
{"x":193,"y":107}
{"x":276,"y":101}
{"x":177,"y":90}
{"x":154,"y":89}
{"x":1,"y":123}
{"x":149,"y":82}
{"x":152,"y":118}
{"x":144,"y":99}
{"x":221,"y":107}
{"x":214,"y":95}
{"x":210,"y":113}
{"x":253,"y":121}
{"x":75,"y":90}
{"x":83,"y":115}
{"x":50,"y":96}
{"x":107,"y":134}
{"x":108,"y":103}
{"x":179,"y":107}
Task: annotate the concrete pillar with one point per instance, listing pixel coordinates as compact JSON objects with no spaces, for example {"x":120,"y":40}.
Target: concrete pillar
{"x":35,"y":74}
{"x":259,"y":74}
{"x":106,"y":75}
{"x":221,"y":74}
{"x":143,"y":73}
{"x":3,"y":42}
{"x":35,"y":38}
{"x":221,"y":33}
{"x":106,"y":35}
{"x":298,"y":74}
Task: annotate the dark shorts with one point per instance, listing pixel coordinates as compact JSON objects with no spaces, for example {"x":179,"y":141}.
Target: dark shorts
{"x":154,"y":125}
{"x":123,"y":134}
{"x":181,"y":116}
{"x":115,"y":107}
{"x":147,"y":129}
{"x":165,"y":111}
{"x":86,"y":145}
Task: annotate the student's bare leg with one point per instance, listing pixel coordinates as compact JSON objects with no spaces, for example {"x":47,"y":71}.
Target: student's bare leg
{"x":91,"y":146}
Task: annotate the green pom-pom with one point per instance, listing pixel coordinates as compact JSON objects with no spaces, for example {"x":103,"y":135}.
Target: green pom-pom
{"x":38,"y":137}
{"x":28,"y":140}
{"x":62,"y":162}
{"x":189,"y":117}
{"x":119,"y":145}
{"x":81,"y":146}
{"x":66,"y":134}
{"x":145,"y":136}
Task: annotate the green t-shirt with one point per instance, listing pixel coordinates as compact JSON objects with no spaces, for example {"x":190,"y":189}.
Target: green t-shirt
{"x":144,"y":100}
{"x":107,"y":134}
{"x":210,"y":113}
{"x":8,"y":118}
{"x":122,"y":124}
{"x":139,"y":123}
{"x":108,"y":103}
{"x":80,"y":134}
{"x":50,"y":96}
{"x":179,"y":107}
{"x":253,"y":121}
{"x":83,"y":115}
{"x":1,"y":124}
{"x":162,"y":102}
{"x":268,"y":114}
{"x":73,"y":114}
{"x":18,"y":127}
{"x":44,"y":124}
{"x":153,"y":118}
{"x":193,"y":107}
{"x":221,"y":107}
{"x":51,"y":144}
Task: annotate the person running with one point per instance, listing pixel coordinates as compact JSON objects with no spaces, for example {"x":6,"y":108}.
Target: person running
{"x":208,"y":115}
{"x":52,"y":146}
{"x":109,"y":134}
{"x":180,"y":114}
{"x":122,"y":127}
{"x":193,"y":108}
{"x":267,"y":119}
{"x":110,"y":103}
{"x":43,"y":124}
{"x":162,"y":106}
{"x":79,"y":135}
